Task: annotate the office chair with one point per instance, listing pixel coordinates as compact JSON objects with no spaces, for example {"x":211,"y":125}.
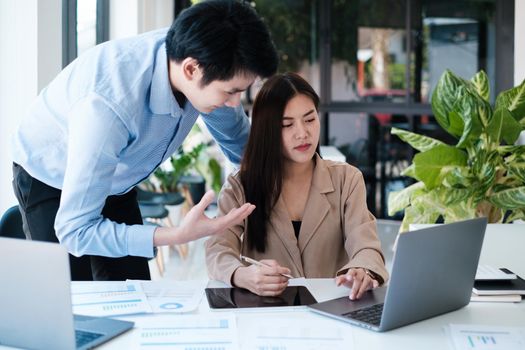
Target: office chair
{"x":11,"y":224}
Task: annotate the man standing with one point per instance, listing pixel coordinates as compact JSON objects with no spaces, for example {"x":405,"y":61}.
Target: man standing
{"x":117,"y":112}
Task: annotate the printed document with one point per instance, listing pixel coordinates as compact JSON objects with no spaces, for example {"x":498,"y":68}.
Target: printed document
{"x":135,"y":297}
{"x":108,"y":298}
{"x":183,"y":332}
{"x":301,"y":330}
{"x":482,"y":337}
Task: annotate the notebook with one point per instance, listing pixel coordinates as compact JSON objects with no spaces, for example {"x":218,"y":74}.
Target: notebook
{"x":35,"y":300}
{"x":432,"y":273}
{"x":499,"y":287}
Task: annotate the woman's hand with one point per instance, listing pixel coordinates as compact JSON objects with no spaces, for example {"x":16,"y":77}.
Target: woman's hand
{"x":196,"y":224}
{"x":358,"y":280}
{"x":262,"y":280}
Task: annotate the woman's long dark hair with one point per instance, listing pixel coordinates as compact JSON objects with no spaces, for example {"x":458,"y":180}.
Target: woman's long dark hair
{"x":262,"y":164}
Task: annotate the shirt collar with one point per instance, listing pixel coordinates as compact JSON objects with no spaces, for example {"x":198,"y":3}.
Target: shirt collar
{"x":161,"y":99}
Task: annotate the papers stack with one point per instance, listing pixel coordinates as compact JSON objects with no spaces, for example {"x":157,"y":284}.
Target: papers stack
{"x":135,"y":297}
{"x":497,"y":285}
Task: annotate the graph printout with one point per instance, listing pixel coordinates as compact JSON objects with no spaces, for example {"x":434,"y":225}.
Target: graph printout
{"x":135,"y":297}
{"x":480,"y":337}
{"x":189,"y":332}
{"x":174,"y":296}
{"x":108,"y":298}
{"x":300,"y":330}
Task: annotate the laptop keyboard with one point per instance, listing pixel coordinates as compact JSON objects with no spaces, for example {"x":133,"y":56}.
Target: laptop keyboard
{"x":370,"y":314}
{"x":83,"y":337}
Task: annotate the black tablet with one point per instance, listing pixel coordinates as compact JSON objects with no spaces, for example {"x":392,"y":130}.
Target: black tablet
{"x":232,"y":298}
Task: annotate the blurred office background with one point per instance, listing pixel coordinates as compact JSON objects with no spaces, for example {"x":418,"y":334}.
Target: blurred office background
{"x":373,"y":62}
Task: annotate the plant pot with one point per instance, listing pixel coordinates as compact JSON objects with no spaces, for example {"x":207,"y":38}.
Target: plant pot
{"x":175,"y":214}
{"x":196,"y":186}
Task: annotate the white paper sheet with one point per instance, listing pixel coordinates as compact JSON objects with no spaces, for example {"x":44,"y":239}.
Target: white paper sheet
{"x":135,"y":297}
{"x":189,"y":332}
{"x":481,"y":337}
{"x":301,"y":330}
{"x":174,"y":296}
{"x":488,"y":272}
{"x":321,"y":288}
{"x":108,"y":298}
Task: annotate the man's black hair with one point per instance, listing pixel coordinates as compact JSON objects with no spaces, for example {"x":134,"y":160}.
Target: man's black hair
{"x":226,"y":38}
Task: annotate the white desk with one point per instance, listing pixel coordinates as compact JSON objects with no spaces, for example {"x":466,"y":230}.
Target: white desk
{"x":503,"y":246}
{"x":428,"y":334}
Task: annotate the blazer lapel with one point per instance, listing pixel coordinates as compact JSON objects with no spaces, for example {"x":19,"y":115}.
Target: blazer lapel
{"x":317,"y":206}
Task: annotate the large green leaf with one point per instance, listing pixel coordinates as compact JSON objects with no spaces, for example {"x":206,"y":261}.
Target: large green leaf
{"x":514,"y":149}
{"x":399,"y":200}
{"x":459,"y":177}
{"x":449,"y":89}
{"x":512,"y":154}
{"x":419,"y":142}
{"x":513,"y":100}
{"x":431,"y":166}
{"x":517,"y":170}
{"x":518,"y":214}
{"x":475,"y":113}
{"x":510,"y":199}
{"x":480,"y":81}
{"x":418,"y":215}
{"x":509,"y":128}
{"x":456,"y":124}
{"x":455,"y":196}
{"x":441,"y":198}
{"x":459,"y":211}
{"x":410,"y":171}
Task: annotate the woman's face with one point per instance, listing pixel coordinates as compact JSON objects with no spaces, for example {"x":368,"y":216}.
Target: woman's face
{"x":300,"y":129}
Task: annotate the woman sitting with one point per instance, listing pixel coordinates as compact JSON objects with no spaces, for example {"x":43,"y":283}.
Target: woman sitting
{"x":311,"y":218}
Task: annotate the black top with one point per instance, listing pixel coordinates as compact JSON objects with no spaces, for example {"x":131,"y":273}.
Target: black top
{"x":296,"y":227}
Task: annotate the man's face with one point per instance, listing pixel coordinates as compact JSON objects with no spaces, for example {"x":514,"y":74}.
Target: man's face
{"x":218,"y":93}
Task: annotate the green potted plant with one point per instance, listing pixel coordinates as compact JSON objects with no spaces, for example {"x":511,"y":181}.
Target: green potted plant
{"x":483,"y":174}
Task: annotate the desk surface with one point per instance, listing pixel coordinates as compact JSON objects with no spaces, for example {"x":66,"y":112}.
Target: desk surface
{"x":428,"y":334}
{"x":502,"y":247}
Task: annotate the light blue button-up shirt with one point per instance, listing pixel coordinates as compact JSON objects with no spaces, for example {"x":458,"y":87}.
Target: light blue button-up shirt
{"x":102,"y":126}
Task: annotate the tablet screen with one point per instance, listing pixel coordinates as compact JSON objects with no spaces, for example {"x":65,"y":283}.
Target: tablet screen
{"x":231,"y":298}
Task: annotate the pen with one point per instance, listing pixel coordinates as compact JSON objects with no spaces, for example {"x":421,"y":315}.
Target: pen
{"x":258,"y":263}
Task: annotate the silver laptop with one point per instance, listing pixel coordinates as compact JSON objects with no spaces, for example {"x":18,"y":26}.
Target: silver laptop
{"x":35,"y":300}
{"x":432,"y":273}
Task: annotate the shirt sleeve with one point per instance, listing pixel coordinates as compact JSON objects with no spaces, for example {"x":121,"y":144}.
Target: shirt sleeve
{"x":96,"y":138}
{"x":230,"y":127}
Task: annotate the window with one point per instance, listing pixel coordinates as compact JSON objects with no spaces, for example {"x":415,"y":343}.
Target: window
{"x":375,"y":63}
{"x":85,"y":24}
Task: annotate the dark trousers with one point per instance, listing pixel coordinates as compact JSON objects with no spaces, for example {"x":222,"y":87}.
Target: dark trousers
{"x":39,"y":205}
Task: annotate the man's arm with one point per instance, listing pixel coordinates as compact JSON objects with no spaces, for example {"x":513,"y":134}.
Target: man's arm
{"x":96,"y":137}
{"x":230,"y":127}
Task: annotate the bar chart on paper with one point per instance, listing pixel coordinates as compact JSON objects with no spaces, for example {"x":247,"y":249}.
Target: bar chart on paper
{"x":298,"y":331}
{"x":108,"y":299}
{"x":487,"y":337}
{"x":189,"y":332}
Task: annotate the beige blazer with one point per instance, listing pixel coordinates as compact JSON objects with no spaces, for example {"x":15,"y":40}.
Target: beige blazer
{"x":337,"y":231}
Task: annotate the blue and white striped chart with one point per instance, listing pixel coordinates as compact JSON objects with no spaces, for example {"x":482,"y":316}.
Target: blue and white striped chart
{"x":190,"y":332}
{"x":298,"y":330}
{"x":108,"y":299}
{"x":481,"y":337}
